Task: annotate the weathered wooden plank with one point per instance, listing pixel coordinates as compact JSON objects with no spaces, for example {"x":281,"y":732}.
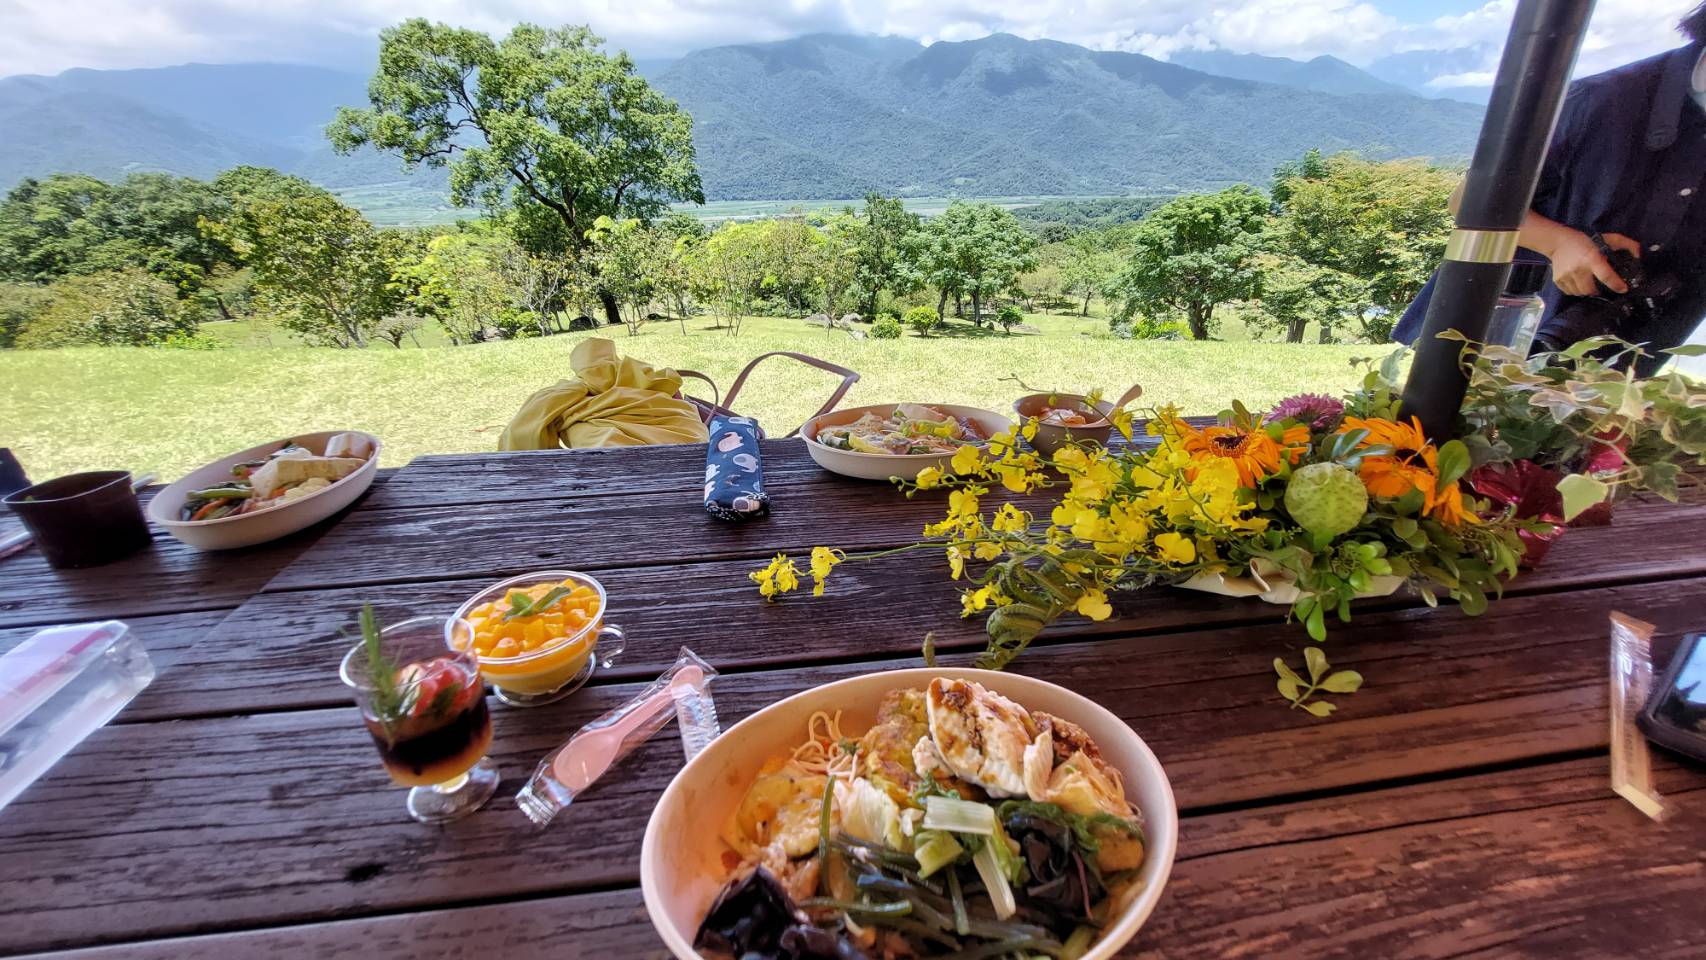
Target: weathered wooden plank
{"x":437,"y":480}
{"x":612,"y":925}
{"x":1474,"y":859}
{"x":1590,"y":877}
{"x":167,"y":577}
{"x":598,"y":533}
{"x":881,"y":609}
{"x":165,"y":828}
{"x":441,"y":479}
{"x":167,"y":638}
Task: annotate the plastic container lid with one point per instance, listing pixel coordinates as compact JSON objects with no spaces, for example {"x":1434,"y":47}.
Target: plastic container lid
{"x":41,"y":666}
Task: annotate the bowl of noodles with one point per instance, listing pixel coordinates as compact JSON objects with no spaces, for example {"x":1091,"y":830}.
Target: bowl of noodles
{"x":895,"y":441}
{"x":913,"y":813}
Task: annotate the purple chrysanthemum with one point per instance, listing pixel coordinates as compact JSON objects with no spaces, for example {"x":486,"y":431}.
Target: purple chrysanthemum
{"x":1313,"y":409}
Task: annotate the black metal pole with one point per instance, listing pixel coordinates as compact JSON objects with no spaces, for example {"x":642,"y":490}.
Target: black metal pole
{"x":1533,"y":73}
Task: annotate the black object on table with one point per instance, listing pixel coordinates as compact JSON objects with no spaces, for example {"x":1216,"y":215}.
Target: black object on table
{"x":12,"y":477}
{"x":83,"y":519}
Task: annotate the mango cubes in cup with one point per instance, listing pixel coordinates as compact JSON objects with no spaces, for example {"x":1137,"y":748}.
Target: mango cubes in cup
{"x":536,"y":633}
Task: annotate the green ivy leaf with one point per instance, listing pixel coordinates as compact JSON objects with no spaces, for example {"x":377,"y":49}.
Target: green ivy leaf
{"x":1317,"y":662}
{"x":1342,"y":681}
{"x":1581,"y":492}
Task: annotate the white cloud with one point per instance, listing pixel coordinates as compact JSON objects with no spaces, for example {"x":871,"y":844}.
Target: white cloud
{"x":45,"y":36}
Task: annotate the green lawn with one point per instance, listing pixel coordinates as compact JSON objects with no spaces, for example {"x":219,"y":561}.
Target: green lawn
{"x":167,"y":411}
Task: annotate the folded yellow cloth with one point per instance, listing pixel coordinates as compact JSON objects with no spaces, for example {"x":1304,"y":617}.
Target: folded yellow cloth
{"x":614,"y":401}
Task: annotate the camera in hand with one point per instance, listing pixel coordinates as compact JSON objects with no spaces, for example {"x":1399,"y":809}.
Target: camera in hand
{"x":1611,"y":314}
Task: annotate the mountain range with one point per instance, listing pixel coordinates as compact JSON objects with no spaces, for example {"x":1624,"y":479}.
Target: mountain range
{"x":817,"y":117}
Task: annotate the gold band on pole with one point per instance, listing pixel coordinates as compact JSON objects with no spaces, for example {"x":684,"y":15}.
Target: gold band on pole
{"x":1481,"y":246}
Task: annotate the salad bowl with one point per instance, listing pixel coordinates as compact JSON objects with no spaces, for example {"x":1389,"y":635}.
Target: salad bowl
{"x":889,"y":466}
{"x":682,"y":864}
{"x":244,"y":530}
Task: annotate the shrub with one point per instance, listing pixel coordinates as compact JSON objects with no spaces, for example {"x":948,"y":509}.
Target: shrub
{"x":20,"y":305}
{"x":923,"y":319}
{"x":117,"y":308}
{"x":191,"y":341}
{"x":1147,"y":328}
{"x":1009,"y":317}
{"x":887,"y":328}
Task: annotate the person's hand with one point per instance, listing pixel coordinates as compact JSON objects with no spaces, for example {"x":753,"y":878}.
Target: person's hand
{"x":1578,"y":267}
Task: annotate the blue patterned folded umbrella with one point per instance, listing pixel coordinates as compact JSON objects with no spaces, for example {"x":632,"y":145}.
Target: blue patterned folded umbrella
{"x":734,"y":474}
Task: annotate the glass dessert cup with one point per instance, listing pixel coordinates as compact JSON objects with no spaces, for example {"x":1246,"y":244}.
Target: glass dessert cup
{"x":430,"y":722}
{"x":565,"y":660}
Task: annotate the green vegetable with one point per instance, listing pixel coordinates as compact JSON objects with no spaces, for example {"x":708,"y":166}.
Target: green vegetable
{"x":521,"y":605}
{"x":994,"y":877}
{"x":935,"y":849}
{"x":222,"y":493}
{"x":959,"y":816}
{"x":1012,"y":866}
{"x":1079,"y":824}
{"x":386,"y":699}
{"x":1077,"y":944}
{"x":870,"y":814}
{"x":960,"y":920}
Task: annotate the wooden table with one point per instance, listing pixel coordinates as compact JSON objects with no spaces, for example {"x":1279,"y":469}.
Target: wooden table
{"x":1457,"y":807}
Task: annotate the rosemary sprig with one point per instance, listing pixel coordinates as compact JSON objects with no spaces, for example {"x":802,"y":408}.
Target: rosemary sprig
{"x":521,"y":606}
{"x":387,"y":699}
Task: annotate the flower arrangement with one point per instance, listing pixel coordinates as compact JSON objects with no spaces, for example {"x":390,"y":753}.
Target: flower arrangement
{"x":1579,"y":423}
{"x":1329,"y":501}
{"x":1314,"y":503}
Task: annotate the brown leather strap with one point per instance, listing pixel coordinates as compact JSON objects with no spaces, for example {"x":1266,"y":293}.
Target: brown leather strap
{"x":704,"y":412}
{"x":848,"y":379}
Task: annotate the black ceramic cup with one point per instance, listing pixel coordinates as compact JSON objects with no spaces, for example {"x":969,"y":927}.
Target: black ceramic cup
{"x":12,"y":476}
{"x":83,"y":520}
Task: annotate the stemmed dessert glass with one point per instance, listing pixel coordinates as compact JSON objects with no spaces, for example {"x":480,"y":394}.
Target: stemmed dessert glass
{"x":425,"y":707}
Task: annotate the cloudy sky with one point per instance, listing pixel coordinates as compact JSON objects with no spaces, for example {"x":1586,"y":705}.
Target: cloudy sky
{"x":46,"y":36}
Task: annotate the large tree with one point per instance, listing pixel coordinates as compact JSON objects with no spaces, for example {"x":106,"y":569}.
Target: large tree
{"x":321,"y":265}
{"x":70,"y":224}
{"x":974,"y":249}
{"x":1090,"y":262}
{"x":1384,"y":224}
{"x":878,"y":236}
{"x":1192,"y":255}
{"x":542,"y":120}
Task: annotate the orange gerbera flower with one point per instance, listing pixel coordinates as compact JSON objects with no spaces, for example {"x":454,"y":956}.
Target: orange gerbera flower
{"x":1413,"y":464}
{"x":1251,"y":450}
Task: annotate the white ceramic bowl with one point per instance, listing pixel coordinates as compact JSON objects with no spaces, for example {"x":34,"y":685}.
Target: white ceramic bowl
{"x":885,"y":466}
{"x":681,"y":866}
{"x":228,"y":533}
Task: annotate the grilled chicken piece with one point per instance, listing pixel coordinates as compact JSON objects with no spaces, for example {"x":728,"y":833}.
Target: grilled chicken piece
{"x":980,"y":736}
{"x":1064,"y":766}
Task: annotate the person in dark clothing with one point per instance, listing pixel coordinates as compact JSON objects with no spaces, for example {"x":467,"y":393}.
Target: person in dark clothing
{"x":1627,"y":163}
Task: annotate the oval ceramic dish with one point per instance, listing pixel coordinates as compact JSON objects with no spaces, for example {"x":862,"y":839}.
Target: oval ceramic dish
{"x":681,"y":859}
{"x":228,"y":533}
{"x":885,"y":466}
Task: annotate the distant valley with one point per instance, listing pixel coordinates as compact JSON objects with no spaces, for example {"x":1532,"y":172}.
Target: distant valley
{"x":815,"y":118}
